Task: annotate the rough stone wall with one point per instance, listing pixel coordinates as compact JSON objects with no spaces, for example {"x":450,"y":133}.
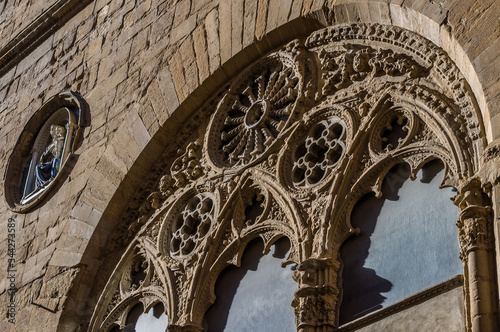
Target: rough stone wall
{"x":15,"y":15}
{"x":143,"y":67}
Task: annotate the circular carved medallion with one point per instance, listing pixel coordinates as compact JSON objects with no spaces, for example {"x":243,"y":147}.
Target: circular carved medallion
{"x":255,"y":111}
{"x":191,"y":225}
{"x":318,"y":152}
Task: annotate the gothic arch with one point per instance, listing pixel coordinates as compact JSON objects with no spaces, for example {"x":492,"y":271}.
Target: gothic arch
{"x":459,"y":168}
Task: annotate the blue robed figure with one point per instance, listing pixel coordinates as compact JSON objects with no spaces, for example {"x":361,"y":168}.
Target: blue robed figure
{"x":50,"y":161}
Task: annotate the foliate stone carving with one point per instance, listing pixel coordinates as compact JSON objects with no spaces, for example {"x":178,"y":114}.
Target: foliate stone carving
{"x":393,"y":130}
{"x":191,"y":225}
{"x":318,"y":152}
{"x":357,"y":62}
{"x":184,"y":169}
{"x":135,"y":275}
{"x":474,"y":223}
{"x":277,"y":163}
{"x":473,"y":234}
{"x":130,"y":284}
{"x":476,"y":252}
{"x":256,"y":110}
{"x":316,"y":299}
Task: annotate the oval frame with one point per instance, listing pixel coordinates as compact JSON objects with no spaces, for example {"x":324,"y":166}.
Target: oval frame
{"x":67,"y":105}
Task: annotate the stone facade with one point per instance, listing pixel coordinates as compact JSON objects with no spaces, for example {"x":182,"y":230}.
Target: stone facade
{"x":162,"y":76}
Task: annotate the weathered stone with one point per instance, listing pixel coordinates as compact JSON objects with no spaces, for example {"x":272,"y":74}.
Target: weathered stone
{"x":154,"y":72}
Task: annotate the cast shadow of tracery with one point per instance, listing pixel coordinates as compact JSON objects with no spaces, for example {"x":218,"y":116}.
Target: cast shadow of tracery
{"x":362,"y":288}
{"x":216,"y":318}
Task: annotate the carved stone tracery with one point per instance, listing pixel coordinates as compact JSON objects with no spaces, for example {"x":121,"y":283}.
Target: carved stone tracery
{"x":277,"y":163}
{"x":318,"y":152}
{"x":255,"y":111}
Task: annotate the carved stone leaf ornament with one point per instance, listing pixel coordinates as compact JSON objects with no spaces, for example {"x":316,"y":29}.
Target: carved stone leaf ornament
{"x":276,"y":163}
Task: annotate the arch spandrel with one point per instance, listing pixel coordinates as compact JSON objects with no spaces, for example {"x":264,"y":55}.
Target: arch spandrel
{"x":356,"y":83}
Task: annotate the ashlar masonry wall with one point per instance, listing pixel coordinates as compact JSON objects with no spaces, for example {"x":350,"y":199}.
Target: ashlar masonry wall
{"x":143,"y":67}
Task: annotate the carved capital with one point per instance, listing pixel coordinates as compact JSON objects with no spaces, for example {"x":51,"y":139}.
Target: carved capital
{"x":474,"y":220}
{"x":317,"y":296}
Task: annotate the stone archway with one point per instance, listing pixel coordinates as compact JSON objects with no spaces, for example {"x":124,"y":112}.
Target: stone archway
{"x":188,"y":103}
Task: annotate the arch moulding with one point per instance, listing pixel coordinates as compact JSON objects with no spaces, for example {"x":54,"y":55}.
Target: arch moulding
{"x":323,"y":77}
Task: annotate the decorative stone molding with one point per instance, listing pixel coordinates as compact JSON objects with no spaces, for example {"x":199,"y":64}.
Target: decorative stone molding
{"x":38,"y":31}
{"x":291,"y":145}
{"x":45,"y":146}
{"x":476,"y":252}
{"x":316,"y":299}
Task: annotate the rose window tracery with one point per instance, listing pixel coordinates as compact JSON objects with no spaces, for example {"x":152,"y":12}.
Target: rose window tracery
{"x":256,"y":111}
{"x":273,"y":161}
{"x":191,"y":225}
{"x":319,"y":152}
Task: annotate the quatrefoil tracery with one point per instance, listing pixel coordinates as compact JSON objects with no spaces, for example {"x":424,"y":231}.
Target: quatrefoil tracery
{"x":318,"y":152}
{"x":191,"y":225}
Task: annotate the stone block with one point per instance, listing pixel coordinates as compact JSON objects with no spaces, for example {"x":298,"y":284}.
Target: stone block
{"x":237,"y":9}
{"x":140,"y":42}
{"x":140,"y":133}
{"x":94,"y":47}
{"x":273,"y":15}
{"x":212,"y":33}
{"x":79,"y":229}
{"x":295,"y":10}
{"x":98,"y":191}
{"x":363,"y":11}
{"x":250,"y":14}
{"x":488,"y":56}
{"x":307,"y":7}
{"x":186,"y":52}
{"x":284,"y":11}
{"x":182,"y":9}
{"x":177,"y":70}
{"x":225,"y":18}
{"x":200,"y":48}
{"x":65,"y":258}
{"x":34,"y":56}
{"x":261,"y":21}
{"x":183,"y":29}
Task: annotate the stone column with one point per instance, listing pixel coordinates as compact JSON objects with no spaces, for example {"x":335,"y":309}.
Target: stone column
{"x":476,"y":252}
{"x":317,"y":296}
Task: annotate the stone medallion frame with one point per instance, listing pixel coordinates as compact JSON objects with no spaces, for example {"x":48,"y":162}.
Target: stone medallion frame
{"x":66,"y":109}
{"x":391,"y":97}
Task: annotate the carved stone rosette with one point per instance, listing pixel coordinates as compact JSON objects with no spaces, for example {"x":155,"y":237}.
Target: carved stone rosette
{"x":292,"y":144}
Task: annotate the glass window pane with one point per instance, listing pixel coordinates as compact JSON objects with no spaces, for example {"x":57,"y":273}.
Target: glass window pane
{"x":408,"y":242}
{"x":257,"y":296}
